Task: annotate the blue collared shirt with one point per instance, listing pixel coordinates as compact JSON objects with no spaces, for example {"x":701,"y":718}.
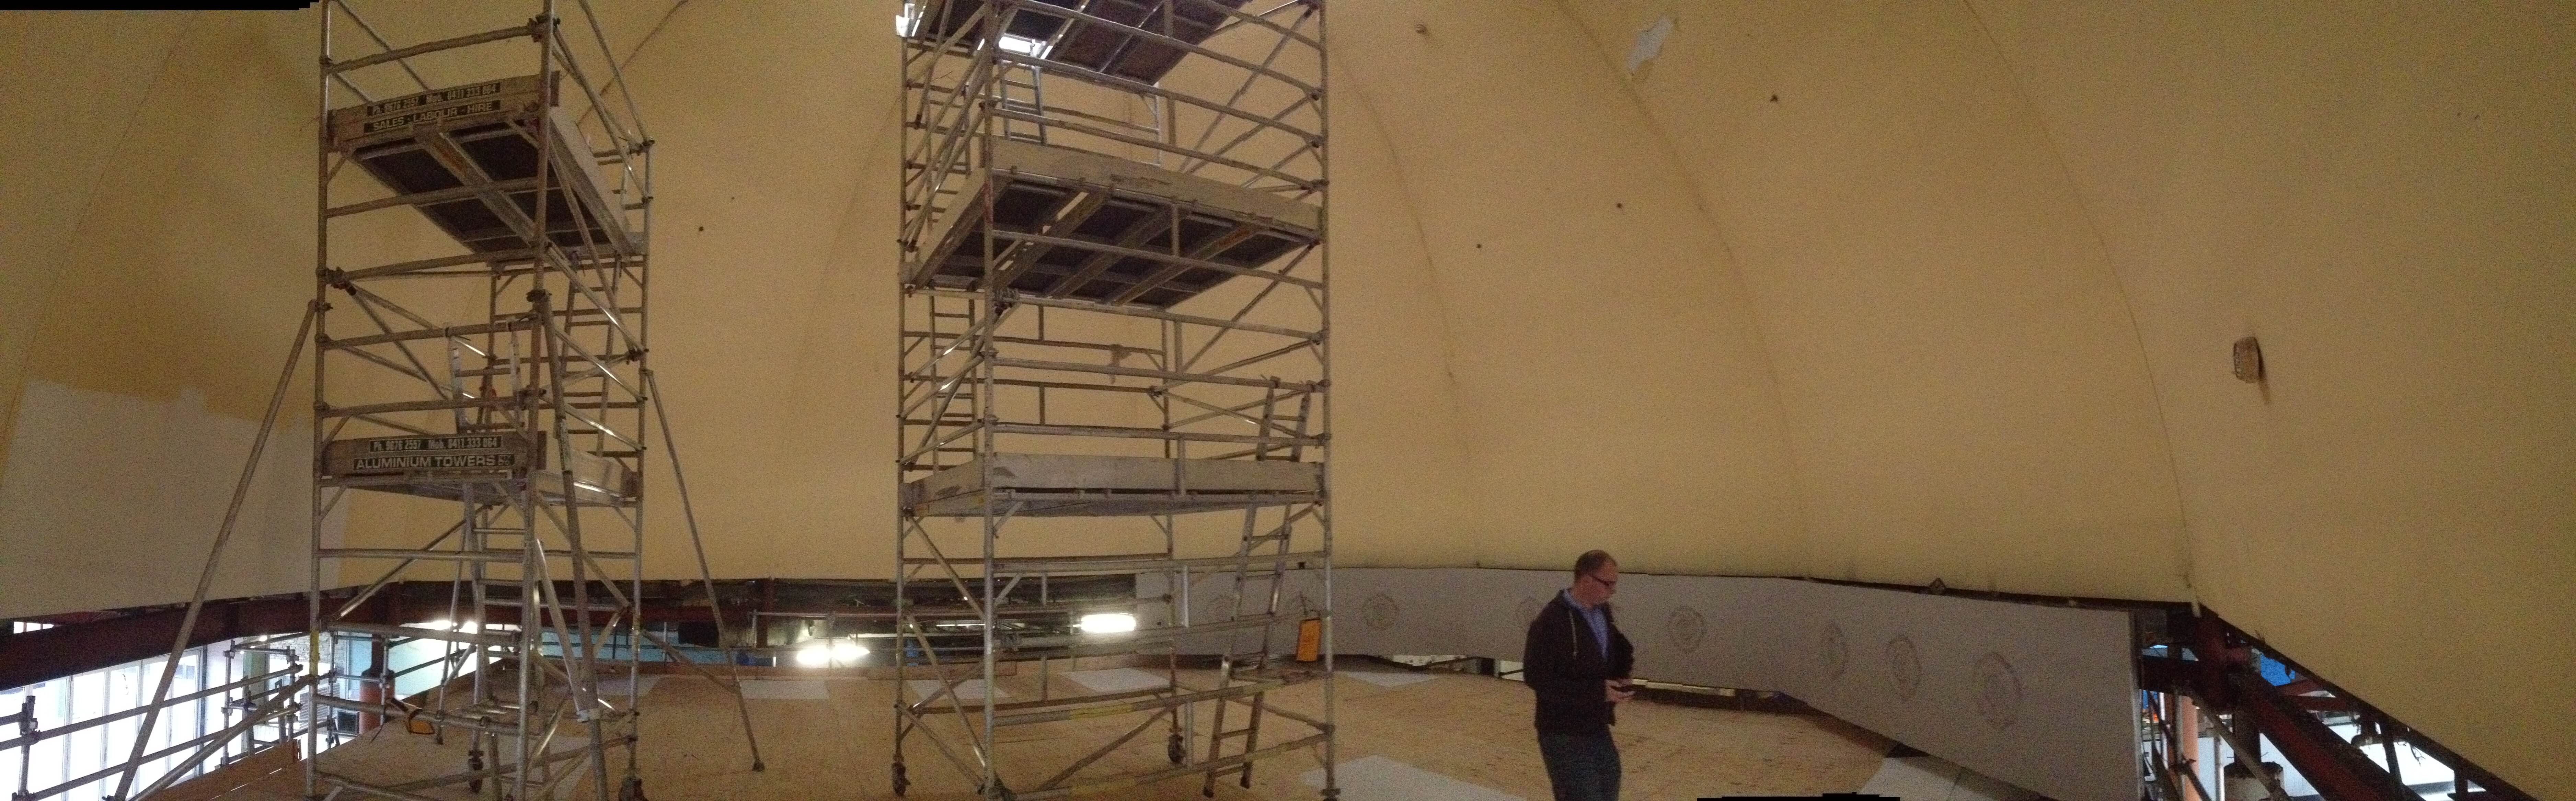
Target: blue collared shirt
{"x":1593,"y":615}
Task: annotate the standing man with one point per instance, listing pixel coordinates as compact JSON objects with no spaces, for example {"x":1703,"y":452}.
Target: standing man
{"x":1577,"y":662}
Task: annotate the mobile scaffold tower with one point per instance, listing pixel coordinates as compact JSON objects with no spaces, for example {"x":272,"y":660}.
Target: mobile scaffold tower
{"x":518,"y":435}
{"x":1112,"y":360}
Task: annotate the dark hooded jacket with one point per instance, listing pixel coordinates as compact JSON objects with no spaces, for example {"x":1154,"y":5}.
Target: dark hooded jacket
{"x":1562,"y":663}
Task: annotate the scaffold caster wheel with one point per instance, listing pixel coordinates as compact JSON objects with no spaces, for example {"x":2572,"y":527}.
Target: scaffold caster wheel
{"x":900,"y":783}
{"x":758,"y":766}
{"x":1174,"y":751}
{"x":634,"y":790}
{"x":474,"y":762}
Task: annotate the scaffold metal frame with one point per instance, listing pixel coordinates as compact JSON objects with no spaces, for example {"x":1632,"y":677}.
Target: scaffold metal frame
{"x":1055,"y":175}
{"x":532,"y":418}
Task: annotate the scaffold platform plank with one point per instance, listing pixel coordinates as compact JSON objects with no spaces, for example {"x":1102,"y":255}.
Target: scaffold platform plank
{"x":467,"y":157}
{"x":1081,"y":225}
{"x":1058,"y":485}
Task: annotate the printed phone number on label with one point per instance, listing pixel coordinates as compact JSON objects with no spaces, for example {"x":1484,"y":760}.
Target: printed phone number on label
{"x":433,"y":98}
{"x":432,"y":115}
{"x":485,"y":442}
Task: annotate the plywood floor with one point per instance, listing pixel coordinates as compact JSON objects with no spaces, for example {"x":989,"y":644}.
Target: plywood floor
{"x":1468,"y":728}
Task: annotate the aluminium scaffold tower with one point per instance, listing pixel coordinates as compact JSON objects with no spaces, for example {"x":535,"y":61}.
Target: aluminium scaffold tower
{"x":1112,"y":359}
{"x":500,"y":394}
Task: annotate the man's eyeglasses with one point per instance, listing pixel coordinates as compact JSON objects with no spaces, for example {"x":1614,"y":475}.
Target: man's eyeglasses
{"x":1606,"y":583}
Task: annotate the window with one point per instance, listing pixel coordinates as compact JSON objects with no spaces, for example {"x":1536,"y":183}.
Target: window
{"x":123,"y":690}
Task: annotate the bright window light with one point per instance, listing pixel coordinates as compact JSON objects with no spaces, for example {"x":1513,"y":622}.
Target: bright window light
{"x":907,"y":19}
{"x":819,"y":653}
{"x":1022,"y":45}
{"x":815,"y":655}
{"x":1110,"y":623}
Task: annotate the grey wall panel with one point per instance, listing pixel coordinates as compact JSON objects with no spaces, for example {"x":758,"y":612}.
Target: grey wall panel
{"x":1709,"y":631}
{"x":2042,"y":697}
{"x":1469,"y":611}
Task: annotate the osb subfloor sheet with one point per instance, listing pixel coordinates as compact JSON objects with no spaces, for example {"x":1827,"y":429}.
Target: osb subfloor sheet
{"x":1471,"y":729}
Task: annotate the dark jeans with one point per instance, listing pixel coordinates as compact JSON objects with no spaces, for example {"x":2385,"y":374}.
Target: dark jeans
{"x":1581,"y":767}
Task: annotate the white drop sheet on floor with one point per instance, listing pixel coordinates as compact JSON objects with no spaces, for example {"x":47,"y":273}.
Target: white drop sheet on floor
{"x":968,"y":690}
{"x":1385,"y":679}
{"x":1117,"y":680}
{"x":785,"y":689}
{"x":1929,"y":778}
{"x":1378,"y":778}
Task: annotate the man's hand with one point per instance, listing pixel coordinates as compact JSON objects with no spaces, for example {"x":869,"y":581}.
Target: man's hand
{"x":1616,"y":690}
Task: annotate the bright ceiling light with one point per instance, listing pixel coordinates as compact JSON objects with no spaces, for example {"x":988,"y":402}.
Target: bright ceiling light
{"x":848,"y":651}
{"x":434,"y":625}
{"x":815,"y":655}
{"x":1110,"y":623}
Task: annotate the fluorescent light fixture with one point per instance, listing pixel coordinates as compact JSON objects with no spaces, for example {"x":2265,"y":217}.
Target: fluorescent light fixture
{"x":434,"y":625}
{"x":814,"y":655}
{"x":1110,"y":623}
{"x":819,"y":653}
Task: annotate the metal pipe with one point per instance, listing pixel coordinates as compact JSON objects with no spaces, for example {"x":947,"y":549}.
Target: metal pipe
{"x":530,"y":29}
{"x":215,"y":553}
{"x":706,"y":576}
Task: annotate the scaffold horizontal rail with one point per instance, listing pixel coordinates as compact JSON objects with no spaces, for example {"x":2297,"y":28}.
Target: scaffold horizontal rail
{"x":1148,"y":641}
{"x":1174,"y":377}
{"x":498,"y":402}
{"x":1010,"y":296}
{"x":1141,"y":705}
{"x":1130,"y":432}
{"x":1142,"y":88}
{"x":1147,"y":636}
{"x":337,"y":67}
{"x":460,"y":556}
{"x":443,"y":332}
{"x":445,"y":635}
{"x":1137,"y":253}
{"x":429,"y":555}
{"x":1115,"y":563}
{"x":417,"y":265}
{"x":1037,"y":504}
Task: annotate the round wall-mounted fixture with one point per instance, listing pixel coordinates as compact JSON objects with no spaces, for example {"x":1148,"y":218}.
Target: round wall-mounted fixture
{"x":2249,"y":361}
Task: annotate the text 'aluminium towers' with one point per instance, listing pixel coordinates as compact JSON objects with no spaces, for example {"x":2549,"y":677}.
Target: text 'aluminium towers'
{"x":1112,"y":361}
